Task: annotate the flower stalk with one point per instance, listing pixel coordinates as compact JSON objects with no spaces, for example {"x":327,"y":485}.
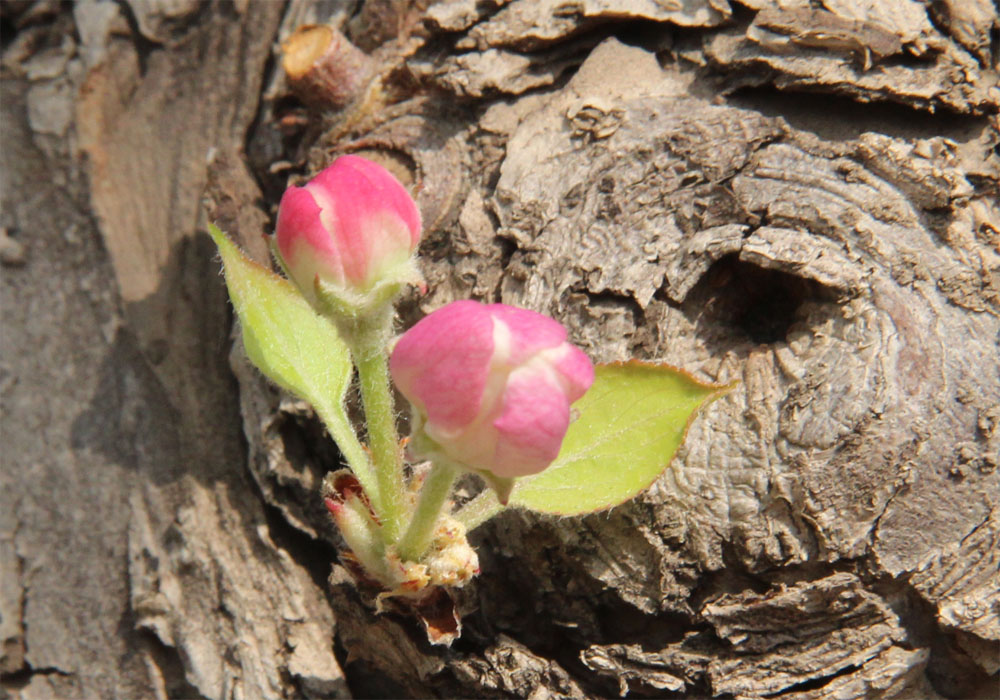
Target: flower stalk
{"x":434,"y":496}
{"x":383,"y":440}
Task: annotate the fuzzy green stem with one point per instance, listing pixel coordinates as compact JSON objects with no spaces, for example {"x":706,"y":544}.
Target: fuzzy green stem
{"x":433,"y":497}
{"x":380,"y":419}
{"x":350,"y":447}
{"x":479,"y":510}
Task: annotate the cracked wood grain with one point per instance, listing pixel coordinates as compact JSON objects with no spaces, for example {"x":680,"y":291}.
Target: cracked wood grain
{"x":831,"y":442}
{"x":529,"y":25}
{"x":953,"y":81}
{"x":179,"y":573}
{"x":827,"y":531}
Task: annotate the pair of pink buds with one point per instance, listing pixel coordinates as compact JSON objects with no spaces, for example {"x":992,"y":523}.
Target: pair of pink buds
{"x":490,"y":385}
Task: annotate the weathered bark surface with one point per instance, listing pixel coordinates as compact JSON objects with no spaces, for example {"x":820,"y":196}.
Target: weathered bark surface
{"x":801,"y":197}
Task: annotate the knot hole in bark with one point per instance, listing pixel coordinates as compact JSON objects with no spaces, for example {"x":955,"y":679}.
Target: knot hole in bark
{"x":743,"y":302}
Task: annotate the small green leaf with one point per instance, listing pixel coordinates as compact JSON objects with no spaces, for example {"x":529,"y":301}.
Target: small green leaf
{"x":288,"y":341}
{"x":293,"y":345}
{"x":631,"y":422}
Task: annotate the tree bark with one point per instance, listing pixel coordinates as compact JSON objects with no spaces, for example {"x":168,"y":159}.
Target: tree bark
{"x":803,"y":198}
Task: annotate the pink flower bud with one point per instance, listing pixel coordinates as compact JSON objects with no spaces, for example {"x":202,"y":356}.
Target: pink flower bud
{"x":349,"y":229}
{"x":490,"y":385}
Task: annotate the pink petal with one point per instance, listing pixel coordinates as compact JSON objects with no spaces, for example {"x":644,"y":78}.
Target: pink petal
{"x":371,"y":214}
{"x":442,"y":364}
{"x":346,"y":227}
{"x":305,"y":245}
{"x":530,"y":332}
{"x":532,"y":423}
{"x":576,"y":370}
{"x":390,"y":192}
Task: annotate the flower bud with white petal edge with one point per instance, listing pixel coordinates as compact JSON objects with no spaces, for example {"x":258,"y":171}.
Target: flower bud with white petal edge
{"x":348,"y":236}
{"x":491,"y":386}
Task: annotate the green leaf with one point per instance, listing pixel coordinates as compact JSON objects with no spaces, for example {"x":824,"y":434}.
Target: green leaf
{"x":294,"y":346}
{"x":630,"y":424}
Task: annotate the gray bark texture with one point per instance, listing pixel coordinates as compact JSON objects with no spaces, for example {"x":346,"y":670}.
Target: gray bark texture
{"x":802,"y":196}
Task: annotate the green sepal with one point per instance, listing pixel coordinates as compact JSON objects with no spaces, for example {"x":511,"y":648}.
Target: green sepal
{"x":502,"y":486}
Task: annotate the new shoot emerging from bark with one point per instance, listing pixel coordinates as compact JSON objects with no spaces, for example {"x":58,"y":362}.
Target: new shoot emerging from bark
{"x":494,"y":390}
